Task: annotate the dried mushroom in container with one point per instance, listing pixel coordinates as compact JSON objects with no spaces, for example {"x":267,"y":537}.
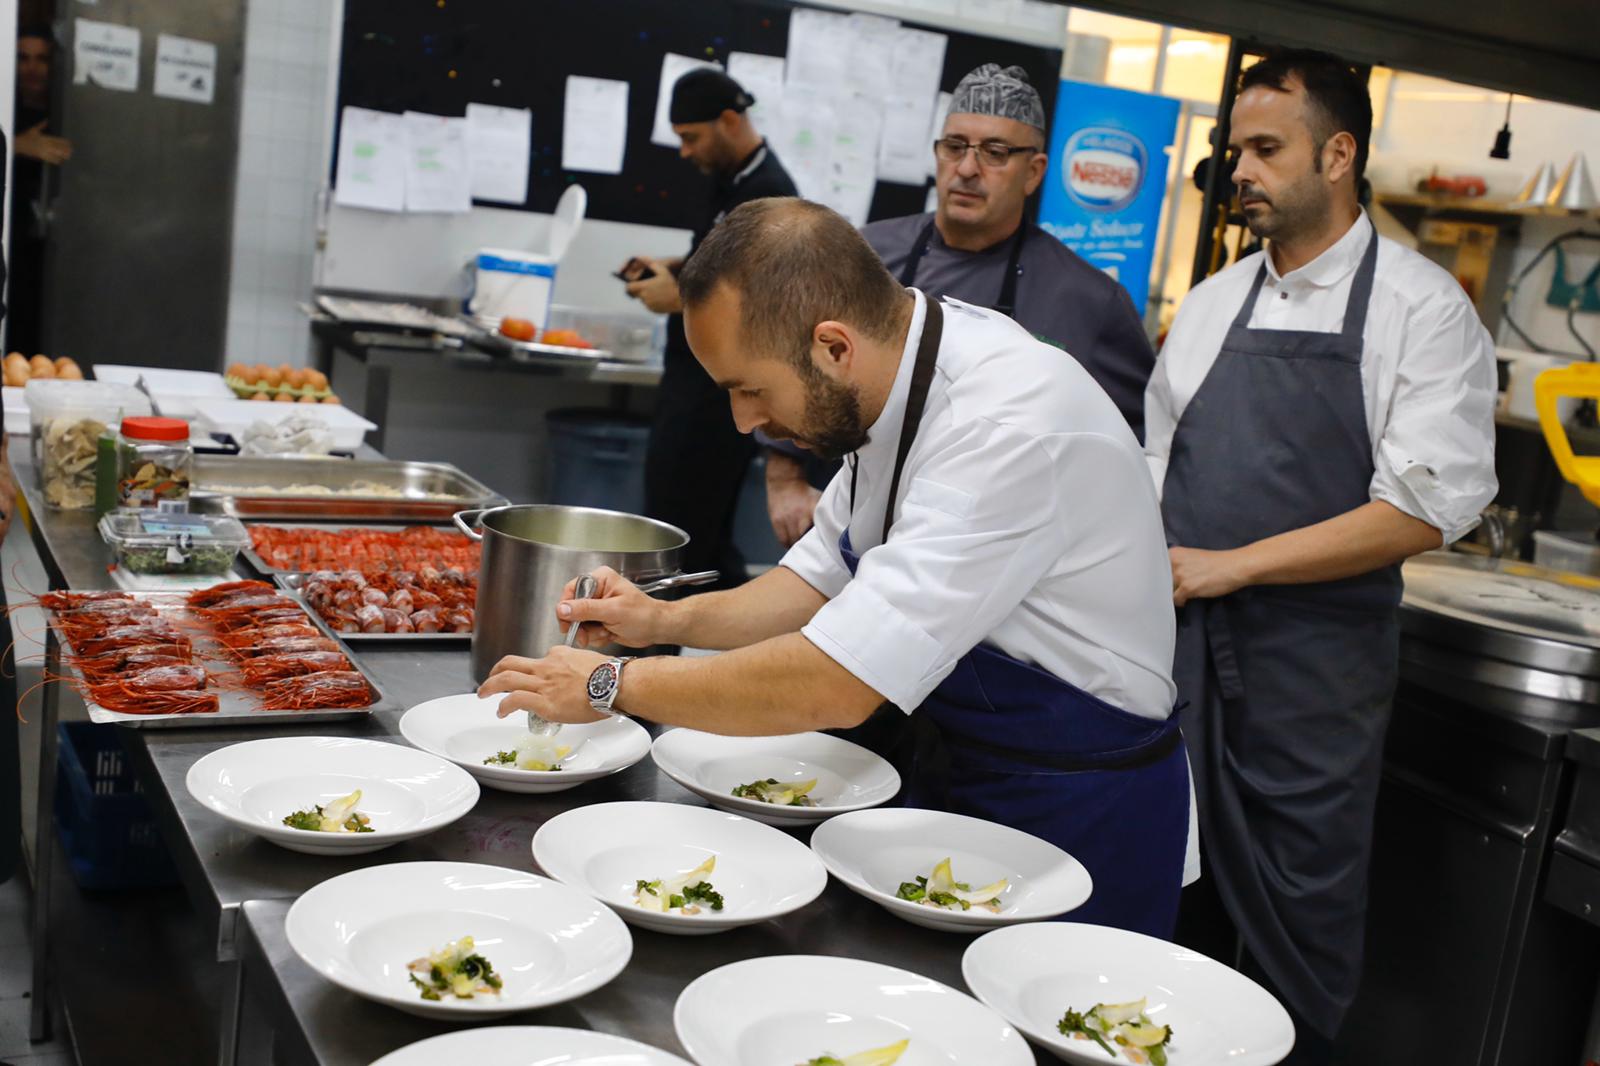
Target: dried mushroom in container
{"x":67,"y":451}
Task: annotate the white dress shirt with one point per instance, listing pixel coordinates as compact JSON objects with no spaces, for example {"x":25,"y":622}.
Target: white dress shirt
{"x":1427,"y":370}
{"x":1026,"y":522}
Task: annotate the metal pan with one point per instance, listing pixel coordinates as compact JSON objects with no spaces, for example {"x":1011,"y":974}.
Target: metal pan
{"x":258,"y":488}
{"x":268,"y":571}
{"x":291,"y":582}
{"x":235,"y":708}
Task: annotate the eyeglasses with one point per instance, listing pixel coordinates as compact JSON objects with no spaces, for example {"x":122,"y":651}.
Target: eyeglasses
{"x":992,"y":154}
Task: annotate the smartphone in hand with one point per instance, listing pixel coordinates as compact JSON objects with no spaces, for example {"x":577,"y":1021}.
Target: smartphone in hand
{"x":633,"y":270}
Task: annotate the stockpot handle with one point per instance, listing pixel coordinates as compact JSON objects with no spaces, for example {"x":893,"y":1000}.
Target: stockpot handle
{"x":467,"y":522}
{"x":676,"y":581}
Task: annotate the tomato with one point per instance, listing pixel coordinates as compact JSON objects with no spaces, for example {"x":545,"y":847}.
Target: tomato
{"x":518,"y":329}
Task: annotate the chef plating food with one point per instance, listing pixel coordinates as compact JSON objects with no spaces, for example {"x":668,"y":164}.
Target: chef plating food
{"x":990,"y":561}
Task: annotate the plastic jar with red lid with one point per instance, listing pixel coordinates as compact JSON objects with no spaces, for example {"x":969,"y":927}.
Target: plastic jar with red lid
{"x":155,"y":463}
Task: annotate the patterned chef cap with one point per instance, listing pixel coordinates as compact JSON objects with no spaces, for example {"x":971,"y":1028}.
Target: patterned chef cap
{"x":1002,"y":92}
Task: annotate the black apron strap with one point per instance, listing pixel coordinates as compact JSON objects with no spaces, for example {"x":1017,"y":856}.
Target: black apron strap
{"x":1007,"y":304}
{"x":916,"y":401}
{"x":1355,"y":310}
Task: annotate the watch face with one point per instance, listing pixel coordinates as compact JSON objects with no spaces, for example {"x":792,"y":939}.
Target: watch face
{"x":602,"y":681}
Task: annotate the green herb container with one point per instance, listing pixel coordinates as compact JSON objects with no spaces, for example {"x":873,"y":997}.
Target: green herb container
{"x":173,"y":542}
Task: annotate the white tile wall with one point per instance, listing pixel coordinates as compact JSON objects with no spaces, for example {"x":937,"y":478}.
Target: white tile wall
{"x":286,"y":88}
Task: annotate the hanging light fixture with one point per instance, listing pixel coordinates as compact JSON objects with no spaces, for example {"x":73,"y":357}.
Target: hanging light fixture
{"x":1573,"y":191}
{"x":1537,"y":188}
{"x":1502,"y":140}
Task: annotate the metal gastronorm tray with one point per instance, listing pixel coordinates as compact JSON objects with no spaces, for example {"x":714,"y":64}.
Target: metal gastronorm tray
{"x":235,"y":707}
{"x":290,"y":583}
{"x":429,"y":491}
{"x":268,"y":571}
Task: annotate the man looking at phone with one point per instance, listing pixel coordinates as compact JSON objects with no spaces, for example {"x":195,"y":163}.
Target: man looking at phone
{"x":698,"y":458}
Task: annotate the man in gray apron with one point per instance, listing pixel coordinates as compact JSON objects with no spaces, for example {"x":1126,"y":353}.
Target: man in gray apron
{"x":1320,"y":412}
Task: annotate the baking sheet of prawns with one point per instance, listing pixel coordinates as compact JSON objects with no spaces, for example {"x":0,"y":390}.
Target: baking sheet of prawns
{"x":237,"y":703}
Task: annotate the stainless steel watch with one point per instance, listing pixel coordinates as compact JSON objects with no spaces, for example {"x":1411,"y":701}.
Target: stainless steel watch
{"x":604,"y":684}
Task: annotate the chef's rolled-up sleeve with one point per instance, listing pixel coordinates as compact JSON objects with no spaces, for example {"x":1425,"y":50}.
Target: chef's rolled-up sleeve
{"x":1435,"y":460}
{"x":978,"y":527}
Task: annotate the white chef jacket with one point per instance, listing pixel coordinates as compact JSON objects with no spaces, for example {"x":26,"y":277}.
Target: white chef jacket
{"x":1026,"y":521}
{"x":1427,"y":370}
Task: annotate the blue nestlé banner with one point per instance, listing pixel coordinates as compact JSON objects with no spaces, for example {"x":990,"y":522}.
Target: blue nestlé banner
{"x":1107,"y":179}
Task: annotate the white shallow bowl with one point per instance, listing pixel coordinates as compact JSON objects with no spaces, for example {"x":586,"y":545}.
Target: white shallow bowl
{"x":529,"y":1045}
{"x":405,"y":792}
{"x":604,"y":849}
{"x":1031,"y":974}
{"x":549,"y":943}
{"x":465,"y":730}
{"x":874,"y":852}
{"x":778,"y":1011}
{"x":849,"y":777}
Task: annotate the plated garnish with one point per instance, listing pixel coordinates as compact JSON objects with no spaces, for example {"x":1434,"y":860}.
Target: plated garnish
{"x":339,"y":816}
{"x":457,"y":970}
{"x":883,"y":1056}
{"x":532,"y":752}
{"x":771,"y":790}
{"x":1120,"y":1027}
{"x":688,"y":893}
{"x":941,"y":889}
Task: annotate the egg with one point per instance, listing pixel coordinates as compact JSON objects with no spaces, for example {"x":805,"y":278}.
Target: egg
{"x":308,"y":398}
{"x":237,"y":370}
{"x":41,"y":367}
{"x":16,"y":376}
{"x":247,"y":374}
{"x":269,"y":376}
{"x":316,"y":379}
{"x":16,"y":357}
{"x":285,"y":369}
{"x":284,"y":397}
{"x":70,"y":372}
{"x":295,"y":379}
{"x":330,"y":398}
{"x":267,"y":396}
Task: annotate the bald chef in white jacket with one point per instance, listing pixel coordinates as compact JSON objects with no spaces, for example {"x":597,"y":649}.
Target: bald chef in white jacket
{"x":990,"y":561}
{"x":1320,"y":411}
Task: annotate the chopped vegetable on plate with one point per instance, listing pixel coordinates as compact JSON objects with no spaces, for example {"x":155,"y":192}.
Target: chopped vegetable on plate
{"x":1120,"y":1027}
{"x":883,"y":1056}
{"x":686,"y":893}
{"x":941,"y":889}
{"x":796,"y":794}
{"x":533,"y":752}
{"x":457,"y":970}
{"x":339,"y":816}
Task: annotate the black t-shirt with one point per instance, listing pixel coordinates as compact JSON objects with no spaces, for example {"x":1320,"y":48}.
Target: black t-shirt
{"x":758,"y":177}
{"x":27,"y":175}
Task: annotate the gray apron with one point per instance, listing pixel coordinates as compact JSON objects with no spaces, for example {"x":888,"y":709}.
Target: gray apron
{"x":1288,"y":687}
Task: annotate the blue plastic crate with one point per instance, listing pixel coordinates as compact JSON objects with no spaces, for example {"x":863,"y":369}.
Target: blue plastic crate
{"x":107,"y":831}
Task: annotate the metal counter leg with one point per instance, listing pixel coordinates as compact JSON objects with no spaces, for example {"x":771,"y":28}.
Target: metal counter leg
{"x":377,"y":401}
{"x":230,"y":1012}
{"x":44,"y":846}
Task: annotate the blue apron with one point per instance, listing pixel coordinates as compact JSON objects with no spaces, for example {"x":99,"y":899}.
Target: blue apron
{"x":1287,"y":687}
{"x":1005,"y":741}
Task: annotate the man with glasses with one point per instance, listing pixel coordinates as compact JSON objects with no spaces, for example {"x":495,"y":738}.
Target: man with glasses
{"x":979,"y":248}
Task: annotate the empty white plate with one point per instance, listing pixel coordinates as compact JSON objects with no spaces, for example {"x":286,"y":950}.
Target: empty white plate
{"x":465,"y":730}
{"x":404,"y":792}
{"x":607,"y":848}
{"x":549,"y":943}
{"x":849,"y":777}
{"x":874,"y":852}
{"x":1031,"y":974}
{"x":529,"y":1045}
{"x":794,"y":1008}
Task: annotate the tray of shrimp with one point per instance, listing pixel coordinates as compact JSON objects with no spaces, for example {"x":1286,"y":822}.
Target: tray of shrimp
{"x":428,"y":604}
{"x":240,"y":651}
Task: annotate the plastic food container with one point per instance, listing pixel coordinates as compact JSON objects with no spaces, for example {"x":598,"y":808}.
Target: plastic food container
{"x":65,"y":421}
{"x":1576,"y":553}
{"x":173,"y":542}
{"x":233,"y":417}
{"x":155,"y":462}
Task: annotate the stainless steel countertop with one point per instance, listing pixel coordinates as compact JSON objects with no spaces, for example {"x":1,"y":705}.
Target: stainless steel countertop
{"x":242,"y":886}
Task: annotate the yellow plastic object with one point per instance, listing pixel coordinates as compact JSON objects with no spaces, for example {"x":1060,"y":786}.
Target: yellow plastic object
{"x":1580,"y":381}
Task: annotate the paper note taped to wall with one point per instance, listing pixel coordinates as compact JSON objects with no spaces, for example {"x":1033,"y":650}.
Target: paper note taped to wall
{"x":106,"y":55}
{"x":438,"y":178}
{"x":594,"y":125}
{"x":185,"y":69}
{"x":499,"y":140}
{"x":371,"y":170}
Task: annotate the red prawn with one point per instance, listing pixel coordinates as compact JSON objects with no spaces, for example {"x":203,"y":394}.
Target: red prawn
{"x":324,"y":689}
{"x":265,"y":668}
{"x":211,"y":597}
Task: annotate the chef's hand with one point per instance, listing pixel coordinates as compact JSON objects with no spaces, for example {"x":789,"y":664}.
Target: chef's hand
{"x":791,"y":501}
{"x":35,"y":143}
{"x":618,"y":613}
{"x":1205,"y":575}
{"x":658,"y":293}
{"x":556,"y":688}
